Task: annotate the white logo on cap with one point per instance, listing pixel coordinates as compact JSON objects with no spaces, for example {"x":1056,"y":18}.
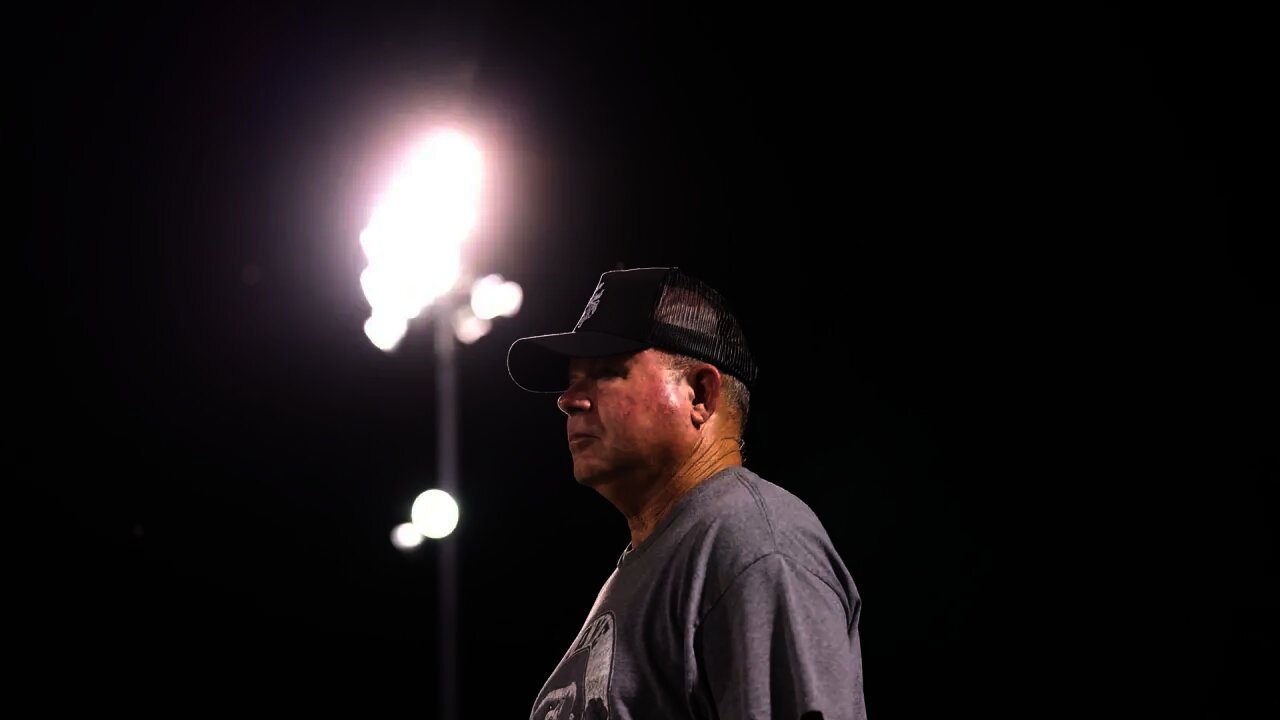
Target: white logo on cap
{"x":592,"y":304}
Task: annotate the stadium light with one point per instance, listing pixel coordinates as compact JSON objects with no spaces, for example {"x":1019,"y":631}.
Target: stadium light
{"x":413,"y":245}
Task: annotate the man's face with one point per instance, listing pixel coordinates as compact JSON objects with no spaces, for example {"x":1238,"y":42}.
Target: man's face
{"x":628,"y":415}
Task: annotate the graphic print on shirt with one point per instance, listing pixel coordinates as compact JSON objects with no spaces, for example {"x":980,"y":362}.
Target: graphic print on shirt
{"x":589,"y":665}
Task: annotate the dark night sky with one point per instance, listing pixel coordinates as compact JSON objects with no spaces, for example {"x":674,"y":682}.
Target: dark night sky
{"x":1010,"y":302}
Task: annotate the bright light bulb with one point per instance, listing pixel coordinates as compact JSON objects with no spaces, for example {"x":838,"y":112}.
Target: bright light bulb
{"x":414,"y":237}
{"x":435,"y":513}
{"x":405,"y":536}
{"x":469,"y":328}
{"x":491,"y":296}
{"x":385,"y":331}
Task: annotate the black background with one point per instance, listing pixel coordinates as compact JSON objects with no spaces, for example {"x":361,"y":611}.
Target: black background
{"x":1012,"y":301}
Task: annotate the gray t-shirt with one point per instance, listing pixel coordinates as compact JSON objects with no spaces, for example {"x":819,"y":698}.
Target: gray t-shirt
{"x":736,"y":606}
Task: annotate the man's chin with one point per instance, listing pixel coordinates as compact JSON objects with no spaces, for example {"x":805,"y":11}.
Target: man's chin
{"x":589,"y":475}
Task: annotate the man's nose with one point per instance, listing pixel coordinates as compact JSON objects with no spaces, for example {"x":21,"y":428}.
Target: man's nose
{"x":573,"y":401}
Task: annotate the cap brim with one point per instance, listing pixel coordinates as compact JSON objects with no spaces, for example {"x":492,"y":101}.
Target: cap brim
{"x":541,"y":363}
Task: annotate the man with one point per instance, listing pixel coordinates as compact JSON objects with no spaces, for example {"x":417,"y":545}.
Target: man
{"x":730,"y":600}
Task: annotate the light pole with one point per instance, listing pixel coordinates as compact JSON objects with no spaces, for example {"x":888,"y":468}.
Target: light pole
{"x":413,"y":245}
{"x":447,"y":480}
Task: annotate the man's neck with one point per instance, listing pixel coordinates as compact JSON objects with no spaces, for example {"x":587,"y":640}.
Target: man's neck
{"x":657,"y":500}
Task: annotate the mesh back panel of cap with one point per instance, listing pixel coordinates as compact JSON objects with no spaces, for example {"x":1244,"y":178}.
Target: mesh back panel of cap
{"x":691,"y":318}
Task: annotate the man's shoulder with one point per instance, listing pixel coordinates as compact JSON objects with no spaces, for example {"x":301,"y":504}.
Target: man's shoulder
{"x":746,"y":502}
{"x":744,"y":518}
{"x":742,"y":521}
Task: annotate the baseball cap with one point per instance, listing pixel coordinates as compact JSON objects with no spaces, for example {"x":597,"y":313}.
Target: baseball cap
{"x":632,"y":310}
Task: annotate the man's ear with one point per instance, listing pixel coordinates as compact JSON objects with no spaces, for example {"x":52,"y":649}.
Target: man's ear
{"x":705,"y":381}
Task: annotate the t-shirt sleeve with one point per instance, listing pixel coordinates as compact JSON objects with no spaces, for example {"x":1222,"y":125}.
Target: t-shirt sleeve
{"x":780,"y":644}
